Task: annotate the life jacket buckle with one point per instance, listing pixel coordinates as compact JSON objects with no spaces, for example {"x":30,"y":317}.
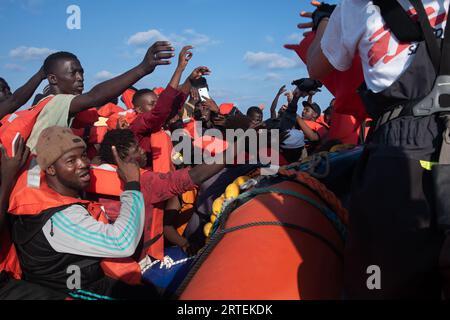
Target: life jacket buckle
{"x":437,"y":101}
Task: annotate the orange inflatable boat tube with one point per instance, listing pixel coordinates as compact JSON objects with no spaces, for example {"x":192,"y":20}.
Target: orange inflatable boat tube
{"x":282,"y":242}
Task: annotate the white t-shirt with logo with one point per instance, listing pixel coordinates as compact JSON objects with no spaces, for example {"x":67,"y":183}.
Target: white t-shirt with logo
{"x":357,"y":26}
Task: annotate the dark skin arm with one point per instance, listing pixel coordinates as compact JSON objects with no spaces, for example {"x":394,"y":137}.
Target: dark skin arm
{"x":10,"y":167}
{"x":273,"y":108}
{"x":158,"y":54}
{"x":173,"y":207}
{"x":21,"y":95}
{"x":195,"y":75}
{"x":183,"y":60}
{"x":212,"y":105}
{"x":204,"y":172}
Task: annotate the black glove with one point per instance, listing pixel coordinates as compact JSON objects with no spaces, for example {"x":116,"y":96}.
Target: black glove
{"x":323,"y":11}
{"x":308,"y":85}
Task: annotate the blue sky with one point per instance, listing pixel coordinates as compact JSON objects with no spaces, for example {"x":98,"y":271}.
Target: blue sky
{"x":241,"y":41}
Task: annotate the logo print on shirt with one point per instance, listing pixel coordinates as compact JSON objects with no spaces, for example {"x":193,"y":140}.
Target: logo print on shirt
{"x":382,"y":39}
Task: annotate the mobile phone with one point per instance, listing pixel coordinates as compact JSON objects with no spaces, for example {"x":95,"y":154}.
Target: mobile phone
{"x":203,"y":93}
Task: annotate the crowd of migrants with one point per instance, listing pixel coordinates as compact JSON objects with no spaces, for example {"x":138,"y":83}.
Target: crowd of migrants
{"x":88,"y":183}
{"x":74,"y":137}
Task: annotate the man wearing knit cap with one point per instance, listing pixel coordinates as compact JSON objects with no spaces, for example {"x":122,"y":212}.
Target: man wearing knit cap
{"x":62,"y":237}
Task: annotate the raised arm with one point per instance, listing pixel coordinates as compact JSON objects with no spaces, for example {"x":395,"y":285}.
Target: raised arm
{"x":10,"y":167}
{"x":21,"y":95}
{"x":273,"y":108}
{"x":289,"y":117}
{"x":158,"y":54}
{"x":318,"y":65}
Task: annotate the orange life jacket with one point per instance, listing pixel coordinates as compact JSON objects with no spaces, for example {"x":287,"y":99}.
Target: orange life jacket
{"x":129,"y":116}
{"x":189,"y":128}
{"x":20,"y":122}
{"x":344,"y":128}
{"x":321,"y":120}
{"x":158,"y":91}
{"x":27,"y":200}
{"x":162,"y":148}
{"x":316,"y":125}
{"x":109,"y":109}
{"x":188,"y":201}
{"x":85,"y":118}
{"x":127,"y":98}
{"x":226,"y":108}
{"x":106,"y":182}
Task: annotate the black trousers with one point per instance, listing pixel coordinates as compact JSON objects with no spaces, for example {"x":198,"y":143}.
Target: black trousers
{"x":11,"y":289}
{"x":392,"y":217}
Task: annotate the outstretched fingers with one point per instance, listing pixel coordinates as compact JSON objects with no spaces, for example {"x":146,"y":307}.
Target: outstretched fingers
{"x":204,"y":70}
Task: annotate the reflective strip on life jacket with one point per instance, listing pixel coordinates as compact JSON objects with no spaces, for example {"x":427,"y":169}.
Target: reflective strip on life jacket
{"x":33,"y":201}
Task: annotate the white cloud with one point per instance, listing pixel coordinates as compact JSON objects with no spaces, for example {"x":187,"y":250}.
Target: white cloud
{"x":198,"y":39}
{"x":30,"y":53}
{"x":270,"y":61}
{"x":14,"y":67}
{"x":142,"y":38}
{"x":188,"y":36}
{"x":103,"y":76}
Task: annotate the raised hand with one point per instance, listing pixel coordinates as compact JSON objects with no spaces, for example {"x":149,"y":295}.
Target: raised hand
{"x":290,"y":96}
{"x":184,"y":57}
{"x":195,"y":96}
{"x":10,"y":167}
{"x":322,"y":10}
{"x":158,"y":54}
{"x":219,"y":120}
{"x":199,"y":72}
{"x":127,"y":171}
{"x":281,"y":91}
{"x":211,"y":104}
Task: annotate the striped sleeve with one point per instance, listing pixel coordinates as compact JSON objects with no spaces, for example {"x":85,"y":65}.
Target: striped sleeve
{"x":74,"y":231}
